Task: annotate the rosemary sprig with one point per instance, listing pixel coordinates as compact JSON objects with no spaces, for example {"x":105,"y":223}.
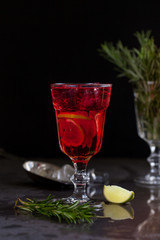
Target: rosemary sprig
{"x":71,"y":213}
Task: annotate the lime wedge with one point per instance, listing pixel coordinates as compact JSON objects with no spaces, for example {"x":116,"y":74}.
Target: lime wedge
{"x":118,"y":212}
{"x":116,"y":194}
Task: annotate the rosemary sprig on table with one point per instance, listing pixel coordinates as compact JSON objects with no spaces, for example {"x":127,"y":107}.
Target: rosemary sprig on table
{"x":71,"y":213}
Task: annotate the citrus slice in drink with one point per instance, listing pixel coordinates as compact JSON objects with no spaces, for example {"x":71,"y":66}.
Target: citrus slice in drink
{"x":99,"y":121}
{"x":71,"y":134}
{"x":73,"y":115}
{"x":116,"y":194}
{"x":118,"y":212}
{"x":100,"y":126}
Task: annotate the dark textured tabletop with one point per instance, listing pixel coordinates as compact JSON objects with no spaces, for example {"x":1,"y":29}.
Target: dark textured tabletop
{"x":14,"y":183}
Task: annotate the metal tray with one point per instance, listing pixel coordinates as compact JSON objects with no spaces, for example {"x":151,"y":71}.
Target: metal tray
{"x":44,"y":173}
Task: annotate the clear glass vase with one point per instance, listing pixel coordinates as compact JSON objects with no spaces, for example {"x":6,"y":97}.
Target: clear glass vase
{"x":148,"y":126}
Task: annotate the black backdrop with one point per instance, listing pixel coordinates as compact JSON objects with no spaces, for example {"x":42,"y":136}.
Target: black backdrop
{"x":57,"y":41}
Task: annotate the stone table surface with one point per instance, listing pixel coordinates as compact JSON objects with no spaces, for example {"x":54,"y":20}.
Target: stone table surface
{"x":14,"y":183}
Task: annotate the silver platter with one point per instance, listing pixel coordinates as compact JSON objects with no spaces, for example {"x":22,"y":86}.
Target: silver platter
{"x":43,"y":172}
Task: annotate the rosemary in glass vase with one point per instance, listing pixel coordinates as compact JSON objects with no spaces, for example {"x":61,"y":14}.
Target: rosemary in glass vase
{"x":142,"y":67}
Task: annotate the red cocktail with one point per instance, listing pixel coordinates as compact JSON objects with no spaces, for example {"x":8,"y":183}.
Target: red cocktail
{"x":80,"y":114}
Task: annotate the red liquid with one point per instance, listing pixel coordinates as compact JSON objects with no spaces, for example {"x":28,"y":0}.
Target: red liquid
{"x":80,"y":114}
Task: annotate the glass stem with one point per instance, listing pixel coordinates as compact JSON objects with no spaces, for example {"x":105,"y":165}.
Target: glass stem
{"x":154,"y":161}
{"x":80,"y":180}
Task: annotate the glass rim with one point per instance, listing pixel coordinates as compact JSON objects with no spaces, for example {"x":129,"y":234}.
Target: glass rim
{"x":75,"y":85}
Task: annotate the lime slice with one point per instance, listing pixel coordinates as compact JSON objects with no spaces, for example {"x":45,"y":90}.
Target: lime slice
{"x":116,"y":194}
{"x":72,"y":115}
{"x":70,"y":132}
{"x":118,"y":212}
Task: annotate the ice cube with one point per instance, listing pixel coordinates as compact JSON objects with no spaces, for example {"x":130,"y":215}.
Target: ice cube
{"x":43,"y":170}
{"x":64,"y":173}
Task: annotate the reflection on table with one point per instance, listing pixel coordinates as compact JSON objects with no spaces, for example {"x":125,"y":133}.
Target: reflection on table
{"x":150,"y":227}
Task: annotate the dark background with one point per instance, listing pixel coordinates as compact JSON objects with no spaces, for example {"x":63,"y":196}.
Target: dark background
{"x":57,"y":41}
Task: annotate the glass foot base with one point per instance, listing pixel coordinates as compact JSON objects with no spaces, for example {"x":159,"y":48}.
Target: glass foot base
{"x":148,"y":181}
{"x":92,"y":203}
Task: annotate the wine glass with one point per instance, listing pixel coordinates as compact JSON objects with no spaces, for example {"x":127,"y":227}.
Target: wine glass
{"x":147,"y":106}
{"x":80,"y":115}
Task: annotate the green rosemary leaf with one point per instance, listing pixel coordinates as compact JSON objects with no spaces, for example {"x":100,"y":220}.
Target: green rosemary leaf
{"x":71,"y":213}
{"x":137,"y":63}
{"x":142,"y":67}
